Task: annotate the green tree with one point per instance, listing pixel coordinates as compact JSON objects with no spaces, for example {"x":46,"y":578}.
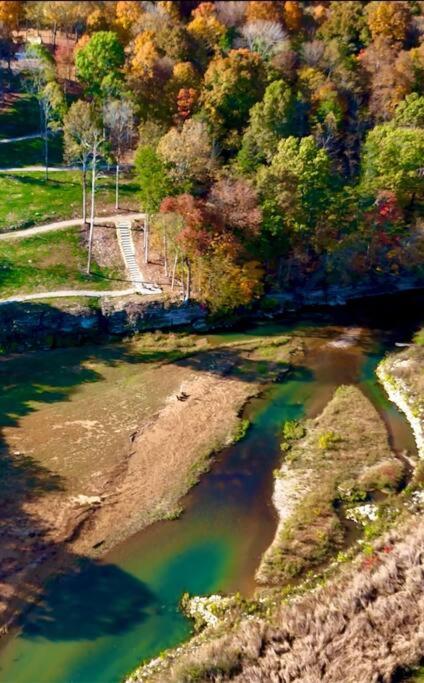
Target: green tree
{"x":232,"y":85}
{"x":344,"y":23}
{"x":270,"y":120}
{"x":299,"y":181}
{"x":98,"y":63}
{"x":392,"y":159}
{"x":155,"y":184}
{"x":410,"y":112}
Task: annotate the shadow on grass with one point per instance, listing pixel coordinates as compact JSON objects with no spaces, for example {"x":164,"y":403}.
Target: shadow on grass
{"x":30,"y":152}
{"x":92,"y":599}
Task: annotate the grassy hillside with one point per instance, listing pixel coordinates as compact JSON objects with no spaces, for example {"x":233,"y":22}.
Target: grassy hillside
{"x":55,"y":260}
{"x":31,"y":200}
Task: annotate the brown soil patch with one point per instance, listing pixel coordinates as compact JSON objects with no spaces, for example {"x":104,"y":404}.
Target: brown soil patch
{"x":111,"y":456}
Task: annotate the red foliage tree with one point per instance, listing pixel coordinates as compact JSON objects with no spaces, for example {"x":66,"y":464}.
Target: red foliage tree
{"x":186,"y":101}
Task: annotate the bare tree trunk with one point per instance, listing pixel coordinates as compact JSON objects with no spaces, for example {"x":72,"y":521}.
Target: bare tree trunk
{"x":46,"y":149}
{"x":174,"y":269}
{"x":84,"y":194}
{"x":117,"y":187}
{"x":165,"y":251}
{"x":188,"y":288}
{"x":93,"y":189}
{"x":146,"y":238}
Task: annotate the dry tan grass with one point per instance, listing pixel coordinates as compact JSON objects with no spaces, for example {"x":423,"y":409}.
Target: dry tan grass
{"x":362,"y":628}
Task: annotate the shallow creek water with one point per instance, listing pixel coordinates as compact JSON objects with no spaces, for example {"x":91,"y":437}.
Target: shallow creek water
{"x":98,"y":624}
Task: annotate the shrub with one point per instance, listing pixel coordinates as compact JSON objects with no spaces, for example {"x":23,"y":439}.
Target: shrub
{"x":241,"y":430}
{"x":419,"y":338}
{"x":385,"y":475}
{"x":293,"y":430}
{"x":328,"y":440}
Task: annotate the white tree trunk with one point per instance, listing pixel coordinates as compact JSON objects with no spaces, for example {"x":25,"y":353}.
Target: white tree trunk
{"x":84,"y":195}
{"x":46,"y":151}
{"x":165,"y":252}
{"x":93,"y":189}
{"x":174,"y":270}
{"x":117,"y":187}
{"x":146,"y":239}
{"x":188,"y":287}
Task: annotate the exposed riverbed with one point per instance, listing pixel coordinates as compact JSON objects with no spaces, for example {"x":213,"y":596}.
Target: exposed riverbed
{"x":97,"y":624}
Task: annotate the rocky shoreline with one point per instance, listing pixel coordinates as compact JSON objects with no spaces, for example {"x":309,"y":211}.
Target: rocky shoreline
{"x":47,"y":325}
{"x":398,"y":393}
{"x":25,"y":325}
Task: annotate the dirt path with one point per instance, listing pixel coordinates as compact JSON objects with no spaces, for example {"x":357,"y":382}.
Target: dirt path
{"x":62,"y":225}
{"x":33,"y":136}
{"x":59,"y":294}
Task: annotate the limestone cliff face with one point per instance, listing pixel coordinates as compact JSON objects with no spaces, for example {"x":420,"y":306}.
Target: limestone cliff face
{"x":25,"y":326}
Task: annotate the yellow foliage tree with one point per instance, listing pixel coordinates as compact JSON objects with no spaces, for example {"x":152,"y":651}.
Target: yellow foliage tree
{"x":205,"y":27}
{"x":264,"y":11}
{"x":127,"y":13}
{"x":293,"y":15}
{"x":169,"y":8}
{"x":388,"y":20}
{"x":11,"y":13}
{"x":145,"y":55}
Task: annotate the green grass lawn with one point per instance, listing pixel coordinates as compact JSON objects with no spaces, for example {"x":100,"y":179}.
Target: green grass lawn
{"x":55,"y":260}
{"x":27,"y":199}
{"x":19,"y":115}
{"x":30,"y":152}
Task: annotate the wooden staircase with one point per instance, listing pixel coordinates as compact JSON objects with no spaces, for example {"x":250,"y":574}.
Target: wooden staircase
{"x":126,"y":243}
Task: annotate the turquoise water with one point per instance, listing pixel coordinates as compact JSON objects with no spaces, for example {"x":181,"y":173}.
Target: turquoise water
{"x":95,"y":625}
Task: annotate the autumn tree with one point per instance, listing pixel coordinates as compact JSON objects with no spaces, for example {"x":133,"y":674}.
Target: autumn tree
{"x":390,"y":77}
{"x":11,"y":14}
{"x":196,"y":229}
{"x":388,"y":20}
{"x":264,"y":11}
{"x":188,"y":152}
{"x":119,"y":122}
{"x":293,"y":16}
{"x":214,"y":259}
{"x":99,"y":63}
{"x":184,"y":89}
{"x":205,"y":27}
{"x":232,"y":85}
{"x":226,"y":283}
{"x":236,"y":201}
{"x":128,"y":12}
{"x":231,"y":13}
{"x":61,"y":15}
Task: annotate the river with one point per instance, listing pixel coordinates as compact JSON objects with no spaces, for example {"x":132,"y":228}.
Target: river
{"x":96,"y":624}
